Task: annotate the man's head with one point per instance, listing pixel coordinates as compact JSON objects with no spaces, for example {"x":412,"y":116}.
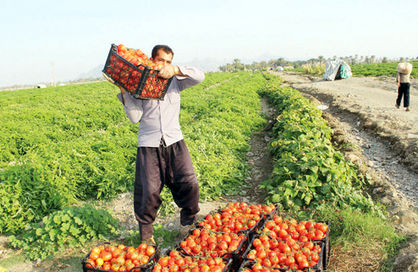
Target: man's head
{"x":162,"y":54}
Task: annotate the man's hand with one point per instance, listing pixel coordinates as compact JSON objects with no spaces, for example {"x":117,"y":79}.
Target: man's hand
{"x":168,"y":71}
{"x":399,"y":84}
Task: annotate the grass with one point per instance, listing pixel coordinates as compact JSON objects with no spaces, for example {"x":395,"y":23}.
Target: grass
{"x":363,"y":238}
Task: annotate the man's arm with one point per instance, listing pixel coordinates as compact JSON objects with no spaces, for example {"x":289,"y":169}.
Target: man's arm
{"x":132,"y":106}
{"x":187,"y":76}
{"x":398,"y":79}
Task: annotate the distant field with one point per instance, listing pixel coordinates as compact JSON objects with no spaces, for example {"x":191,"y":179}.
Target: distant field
{"x":380,"y":69}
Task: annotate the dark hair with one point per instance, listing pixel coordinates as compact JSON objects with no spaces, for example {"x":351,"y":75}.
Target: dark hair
{"x":165,"y":48}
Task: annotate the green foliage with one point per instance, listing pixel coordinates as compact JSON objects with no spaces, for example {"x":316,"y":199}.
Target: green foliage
{"x":60,"y":145}
{"x":64,"y":144}
{"x":380,"y":69}
{"x":26,"y":193}
{"x":307,"y":170}
{"x":71,"y":227}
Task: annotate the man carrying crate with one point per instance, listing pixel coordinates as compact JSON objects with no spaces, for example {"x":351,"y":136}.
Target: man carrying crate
{"x":162,"y":155}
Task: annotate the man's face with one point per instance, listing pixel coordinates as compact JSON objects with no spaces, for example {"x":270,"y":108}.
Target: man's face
{"x":163,"y":58}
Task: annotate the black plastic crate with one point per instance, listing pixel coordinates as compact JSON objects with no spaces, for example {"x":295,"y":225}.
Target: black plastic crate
{"x":249,"y":264}
{"x":142,"y":268}
{"x":141,"y":81}
{"x":327,"y":245}
{"x":227,"y":261}
{"x":325,"y":240}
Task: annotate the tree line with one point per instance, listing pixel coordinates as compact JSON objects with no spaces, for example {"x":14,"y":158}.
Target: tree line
{"x":237,"y":65}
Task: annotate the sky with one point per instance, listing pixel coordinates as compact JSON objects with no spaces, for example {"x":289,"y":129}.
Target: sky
{"x":45,"y":40}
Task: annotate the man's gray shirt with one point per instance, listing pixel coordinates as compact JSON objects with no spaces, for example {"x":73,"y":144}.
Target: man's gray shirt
{"x":161,"y":118}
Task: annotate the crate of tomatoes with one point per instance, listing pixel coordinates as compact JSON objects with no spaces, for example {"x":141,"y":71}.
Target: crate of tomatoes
{"x":277,"y":225}
{"x":176,"y":261}
{"x":284,"y":255}
{"x":135,"y":72}
{"x":206,"y":243}
{"x":106,"y":257}
{"x":238,"y":217}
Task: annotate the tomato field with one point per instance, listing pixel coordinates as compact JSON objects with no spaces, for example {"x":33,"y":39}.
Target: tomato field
{"x":63,"y":147}
{"x":379,"y":69}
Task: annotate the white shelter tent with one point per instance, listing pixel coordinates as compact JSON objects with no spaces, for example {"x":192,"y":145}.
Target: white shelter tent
{"x":337,"y":69}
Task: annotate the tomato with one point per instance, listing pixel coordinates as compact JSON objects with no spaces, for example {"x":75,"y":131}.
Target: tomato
{"x":303,"y":239}
{"x":115,"y":267}
{"x":290,"y":260}
{"x":319,"y":235}
{"x":106,"y":255}
{"x":309,"y":245}
{"x":309,"y":225}
{"x":99,"y":262}
{"x":315,"y":257}
{"x":143,"y":260}
{"x":116,"y":253}
{"x":257,"y":243}
{"x":119,"y":260}
{"x":267,"y":262}
{"x":283,"y":234}
{"x":94,"y":255}
{"x":96,"y":250}
{"x":163,"y":261}
{"x":257,"y":267}
{"x":223,"y":245}
{"x":106,"y":266}
{"x":261,"y":254}
{"x":150,"y":251}
{"x":130,"y":266}
{"x":322,"y":227}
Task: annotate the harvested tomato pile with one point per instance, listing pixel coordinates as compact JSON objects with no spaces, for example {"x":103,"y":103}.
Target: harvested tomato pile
{"x":119,"y":258}
{"x":287,"y":244}
{"x":236,"y":217}
{"x":206,"y":243}
{"x":242,"y":238}
{"x":135,"y":72}
{"x":136,"y":57}
{"x":176,"y":262}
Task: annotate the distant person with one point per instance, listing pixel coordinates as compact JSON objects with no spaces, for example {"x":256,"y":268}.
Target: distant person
{"x":162,"y":156}
{"x":404,"y":82}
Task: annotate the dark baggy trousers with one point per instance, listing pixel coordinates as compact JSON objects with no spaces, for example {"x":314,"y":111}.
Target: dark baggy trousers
{"x":164,"y":165}
{"x":403,"y":90}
